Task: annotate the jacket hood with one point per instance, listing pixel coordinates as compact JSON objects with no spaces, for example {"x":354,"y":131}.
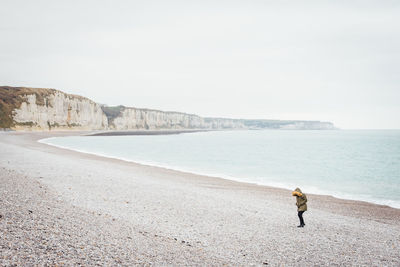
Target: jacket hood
{"x":298,"y":190}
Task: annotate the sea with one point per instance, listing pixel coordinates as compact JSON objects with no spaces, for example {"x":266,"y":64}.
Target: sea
{"x":349,"y":164}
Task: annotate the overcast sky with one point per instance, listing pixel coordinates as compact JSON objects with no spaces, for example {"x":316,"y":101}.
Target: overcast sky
{"x":333,"y":61}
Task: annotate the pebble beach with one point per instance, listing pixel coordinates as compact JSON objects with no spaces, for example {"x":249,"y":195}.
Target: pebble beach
{"x":60,"y":207}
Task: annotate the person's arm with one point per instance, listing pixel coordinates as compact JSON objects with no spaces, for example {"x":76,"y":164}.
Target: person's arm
{"x":303,"y":200}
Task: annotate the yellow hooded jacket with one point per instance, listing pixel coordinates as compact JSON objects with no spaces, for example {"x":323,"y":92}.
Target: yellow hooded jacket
{"x":301,"y":199}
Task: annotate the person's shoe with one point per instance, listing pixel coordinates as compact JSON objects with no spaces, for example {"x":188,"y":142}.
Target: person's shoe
{"x":300,"y":225}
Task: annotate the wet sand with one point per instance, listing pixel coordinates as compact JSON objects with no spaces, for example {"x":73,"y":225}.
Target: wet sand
{"x":60,"y":206}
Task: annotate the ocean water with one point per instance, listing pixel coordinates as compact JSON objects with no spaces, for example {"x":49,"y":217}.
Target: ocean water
{"x":350,"y":164}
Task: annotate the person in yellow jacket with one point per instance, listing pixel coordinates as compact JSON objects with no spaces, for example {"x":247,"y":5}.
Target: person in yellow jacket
{"x":301,"y":203}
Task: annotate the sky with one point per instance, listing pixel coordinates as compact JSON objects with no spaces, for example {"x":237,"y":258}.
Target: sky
{"x":335,"y":61}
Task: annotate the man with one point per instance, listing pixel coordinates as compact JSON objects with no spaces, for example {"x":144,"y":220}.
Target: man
{"x":301,"y":200}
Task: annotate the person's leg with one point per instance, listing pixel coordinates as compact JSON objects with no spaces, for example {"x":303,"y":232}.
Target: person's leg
{"x":302,"y":219}
{"x":300,"y":214}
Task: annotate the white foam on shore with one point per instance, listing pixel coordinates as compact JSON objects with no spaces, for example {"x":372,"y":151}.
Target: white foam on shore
{"x":252,"y":180}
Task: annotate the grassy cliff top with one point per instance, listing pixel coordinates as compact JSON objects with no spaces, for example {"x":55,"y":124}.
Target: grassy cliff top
{"x":12,"y":98}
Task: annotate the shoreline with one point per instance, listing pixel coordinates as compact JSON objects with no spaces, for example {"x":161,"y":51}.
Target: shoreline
{"x":144,"y":132}
{"x":189,"y":219}
{"x":180,"y":170}
{"x":37,"y":137}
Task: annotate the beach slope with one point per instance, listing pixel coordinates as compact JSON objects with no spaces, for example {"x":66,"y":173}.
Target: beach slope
{"x":63,"y":207}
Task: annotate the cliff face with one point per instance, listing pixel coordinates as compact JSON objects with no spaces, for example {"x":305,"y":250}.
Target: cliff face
{"x":133,"y":118}
{"x":48,"y":109}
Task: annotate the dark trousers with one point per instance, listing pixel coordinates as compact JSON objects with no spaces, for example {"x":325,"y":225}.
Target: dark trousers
{"x":300,"y":214}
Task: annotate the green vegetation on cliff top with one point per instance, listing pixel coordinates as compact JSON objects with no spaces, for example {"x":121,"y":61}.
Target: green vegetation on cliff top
{"x":12,"y":97}
{"x":112,"y":112}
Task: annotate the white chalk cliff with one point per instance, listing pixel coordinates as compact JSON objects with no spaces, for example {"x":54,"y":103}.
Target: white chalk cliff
{"x":48,"y":109}
{"x":133,"y":118}
{"x":59,"y":111}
